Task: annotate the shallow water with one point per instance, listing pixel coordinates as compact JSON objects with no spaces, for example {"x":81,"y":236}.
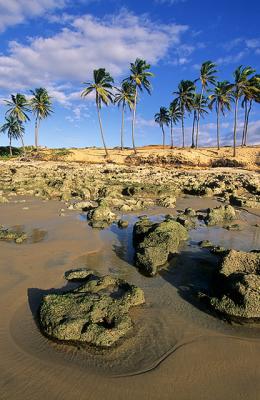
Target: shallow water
{"x":177,"y":346}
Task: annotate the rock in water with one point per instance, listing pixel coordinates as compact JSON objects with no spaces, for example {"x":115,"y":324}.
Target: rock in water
{"x":155,"y":242}
{"x":95,"y":313}
{"x":101,"y":216}
{"x":239,"y":286}
{"x":220,"y":214}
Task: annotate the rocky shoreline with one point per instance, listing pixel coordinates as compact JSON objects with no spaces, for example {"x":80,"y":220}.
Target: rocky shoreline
{"x":107,"y":194}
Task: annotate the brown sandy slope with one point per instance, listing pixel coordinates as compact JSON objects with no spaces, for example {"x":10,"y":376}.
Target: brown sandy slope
{"x":248,"y":157}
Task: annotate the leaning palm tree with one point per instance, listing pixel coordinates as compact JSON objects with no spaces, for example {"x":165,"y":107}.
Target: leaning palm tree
{"x":251,"y":94}
{"x":101,"y":86}
{"x":241,"y":80}
{"x":139,"y":78}
{"x":199,"y":107}
{"x":163,"y":118}
{"x":14,"y":129}
{"x":41,"y":106}
{"x":207,"y":76}
{"x":185,"y":95}
{"x":175,"y":116}
{"x":125,"y":97}
{"x":221,"y":98}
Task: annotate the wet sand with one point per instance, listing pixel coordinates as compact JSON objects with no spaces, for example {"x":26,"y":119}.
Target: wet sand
{"x":178,"y":349}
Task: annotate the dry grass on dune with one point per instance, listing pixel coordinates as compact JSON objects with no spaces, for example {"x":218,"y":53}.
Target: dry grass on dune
{"x":247,"y":157}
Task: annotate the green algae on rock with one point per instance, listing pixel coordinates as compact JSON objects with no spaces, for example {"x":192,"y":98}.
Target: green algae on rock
{"x":12,"y":236}
{"x":220,"y":214}
{"x":95,"y":313}
{"x":239,"y":286}
{"x":101,"y":216}
{"x":156,"y":242}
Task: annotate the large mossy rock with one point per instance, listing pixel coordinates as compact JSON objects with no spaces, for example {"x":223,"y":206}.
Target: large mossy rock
{"x":238,"y":286}
{"x":219,"y":215}
{"x":95,"y":313}
{"x":156,"y":242}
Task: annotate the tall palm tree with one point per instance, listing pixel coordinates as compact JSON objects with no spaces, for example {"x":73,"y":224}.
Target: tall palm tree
{"x":199,"y":107}
{"x":101,"y":86}
{"x":221,"y":98}
{"x":41,"y":106}
{"x":18,"y":107}
{"x":139,"y":77}
{"x":175,"y":116}
{"x":14,"y":129}
{"x":207,"y":76}
{"x":251,"y":94}
{"x":163,"y":118}
{"x":241,"y":80}
{"x":185,"y":95}
{"x":125,"y":97}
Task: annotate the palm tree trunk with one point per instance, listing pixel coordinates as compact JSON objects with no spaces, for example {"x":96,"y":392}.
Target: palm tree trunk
{"x":218,"y":141}
{"x":163,"y":132}
{"x":244,"y":128}
{"x":133,"y":121}
{"x":101,"y":130}
{"x":183,"y":133}
{"x":36,"y":132}
{"x":10,"y":146}
{"x":193,"y":131}
{"x":22,"y":143}
{"x":122,"y":126}
{"x":247,"y":120}
{"x":171,"y":134}
{"x":198,"y":117}
{"x":235,"y":129}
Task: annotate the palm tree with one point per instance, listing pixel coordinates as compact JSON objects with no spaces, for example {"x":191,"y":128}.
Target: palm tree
{"x":185,"y":95}
{"x":14,"y":129}
{"x":175,"y":116}
{"x":251,"y":93}
{"x":101,"y":86}
{"x":241,"y":80}
{"x":18,"y":108}
{"x":41,"y":106}
{"x":207,"y":76}
{"x":163,"y":118}
{"x":199,"y":107}
{"x":125,"y":96}
{"x":139,"y":78}
{"x":221,"y":98}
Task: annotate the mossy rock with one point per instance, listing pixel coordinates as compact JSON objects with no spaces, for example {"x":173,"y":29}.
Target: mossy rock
{"x":12,"y":236}
{"x":219,"y":215}
{"x":238,"y":291}
{"x":156,"y":242}
{"x":95,"y":313}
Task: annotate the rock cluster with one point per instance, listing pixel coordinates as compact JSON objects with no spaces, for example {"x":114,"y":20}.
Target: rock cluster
{"x":95,"y":313}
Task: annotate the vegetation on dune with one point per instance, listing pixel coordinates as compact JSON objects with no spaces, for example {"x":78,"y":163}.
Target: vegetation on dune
{"x":192,"y":98}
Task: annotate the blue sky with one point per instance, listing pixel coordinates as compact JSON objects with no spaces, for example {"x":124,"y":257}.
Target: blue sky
{"x":57,"y":44}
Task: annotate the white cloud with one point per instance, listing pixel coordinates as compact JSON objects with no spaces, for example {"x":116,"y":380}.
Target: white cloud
{"x":232,"y":59}
{"x":13,"y":12}
{"x":87,"y":43}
